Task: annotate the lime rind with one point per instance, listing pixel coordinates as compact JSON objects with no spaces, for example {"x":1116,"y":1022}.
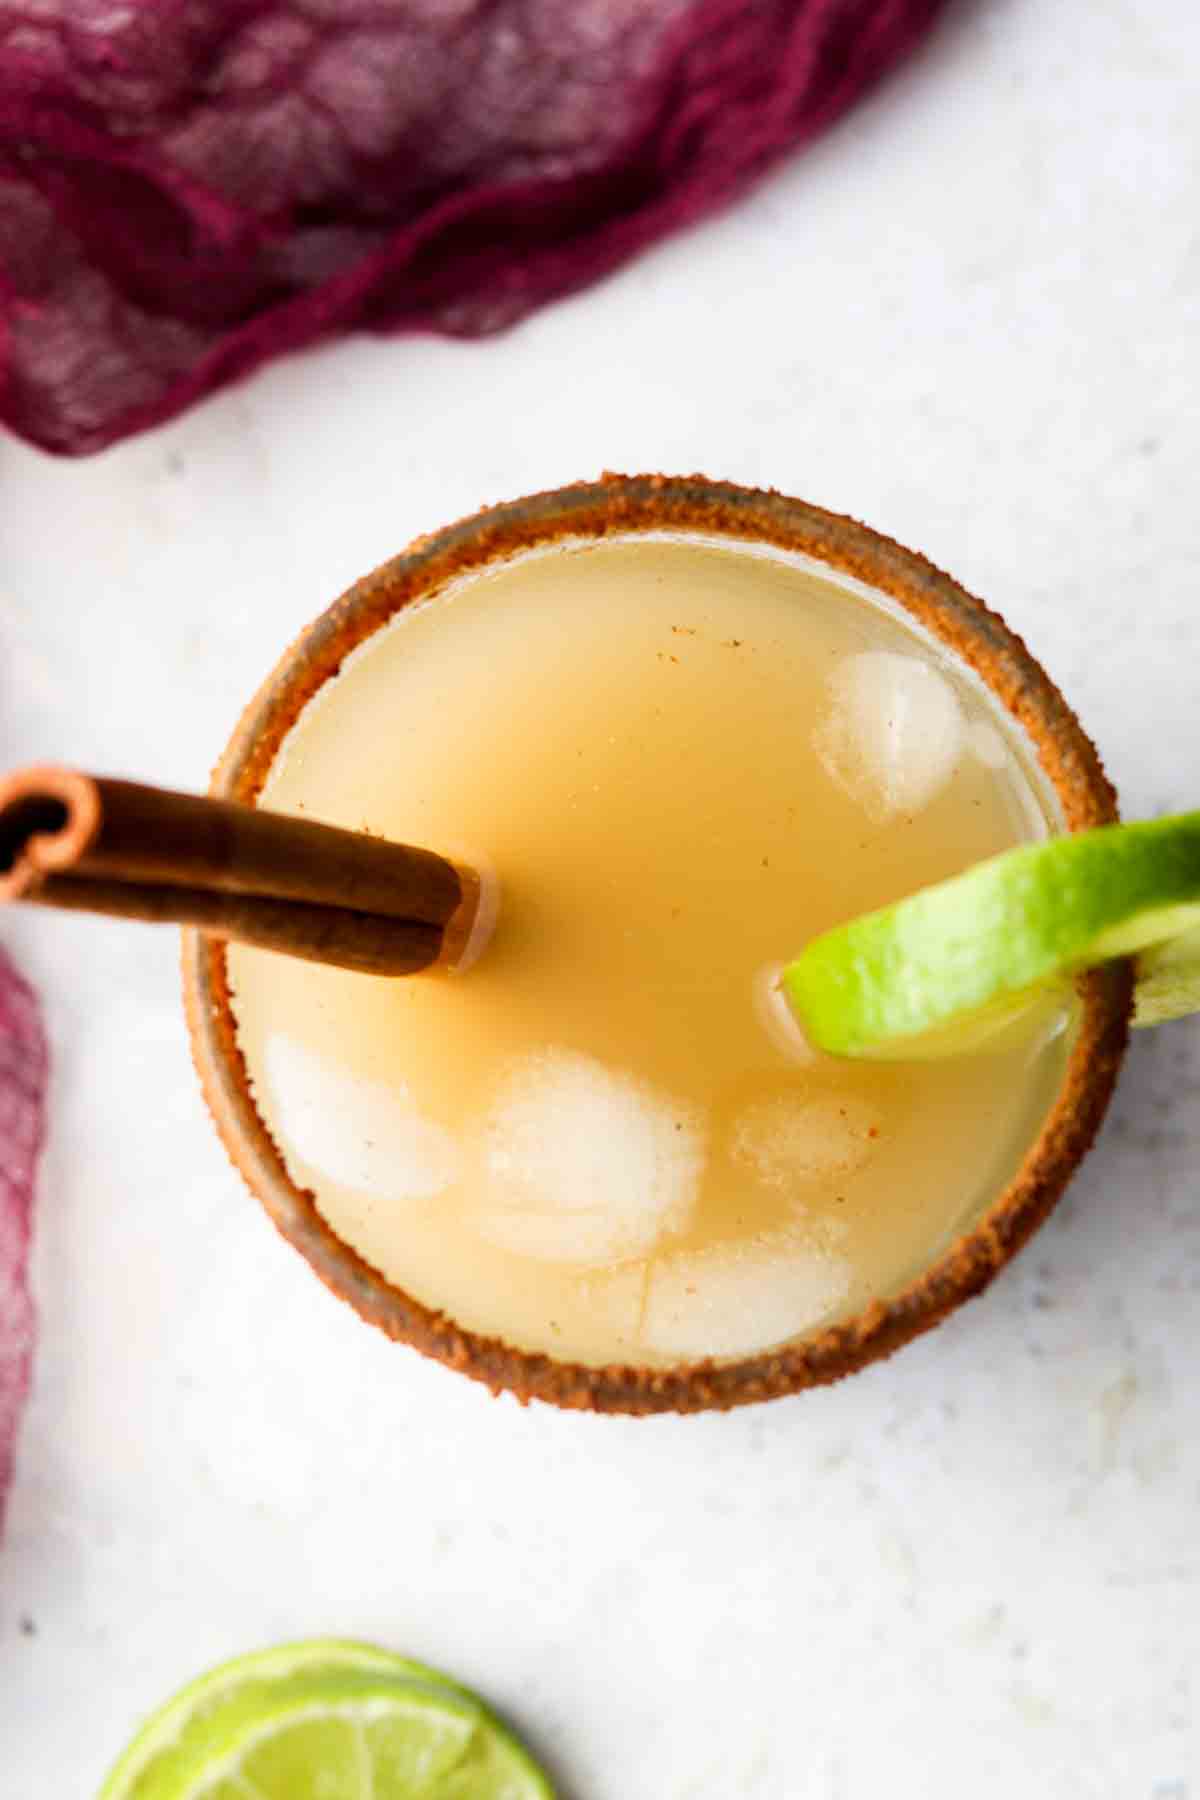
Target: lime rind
{"x":182,"y":1736}
{"x":921,"y":976}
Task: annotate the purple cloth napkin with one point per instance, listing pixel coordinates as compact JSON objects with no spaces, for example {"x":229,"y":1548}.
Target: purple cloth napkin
{"x":190,"y":187}
{"x":22,"y":1094}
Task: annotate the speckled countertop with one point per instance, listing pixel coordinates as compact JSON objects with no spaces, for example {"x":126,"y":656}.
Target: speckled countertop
{"x":972,"y":316}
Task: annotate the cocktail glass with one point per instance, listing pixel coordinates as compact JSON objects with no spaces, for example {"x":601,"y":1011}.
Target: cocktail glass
{"x":951,"y":630}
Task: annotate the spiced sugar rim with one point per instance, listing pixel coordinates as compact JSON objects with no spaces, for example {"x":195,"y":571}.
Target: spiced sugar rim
{"x":612,"y":507}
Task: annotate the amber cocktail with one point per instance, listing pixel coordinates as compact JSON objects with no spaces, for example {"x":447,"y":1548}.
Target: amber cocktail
{"x":688,"y":726}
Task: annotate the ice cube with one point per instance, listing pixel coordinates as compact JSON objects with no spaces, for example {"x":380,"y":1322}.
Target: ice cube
{"x":740,"y":1299}
{"x":365,"y":1135}
{"x":789,"y":1139}
{"x":581,"y":1163}
{"x":893,"y":734}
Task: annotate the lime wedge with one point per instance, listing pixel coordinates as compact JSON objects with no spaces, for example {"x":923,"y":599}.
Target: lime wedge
{"x":945,"y":969}
{"x":330,"y":1720}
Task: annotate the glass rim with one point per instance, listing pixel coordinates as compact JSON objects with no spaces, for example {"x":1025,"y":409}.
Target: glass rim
{"x":618,"y":506}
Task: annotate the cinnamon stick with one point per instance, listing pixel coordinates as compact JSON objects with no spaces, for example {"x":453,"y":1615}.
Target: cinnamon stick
{"x":89,"y":843}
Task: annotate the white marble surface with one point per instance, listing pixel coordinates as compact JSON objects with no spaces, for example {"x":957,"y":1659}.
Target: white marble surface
{"x":972,"y":316}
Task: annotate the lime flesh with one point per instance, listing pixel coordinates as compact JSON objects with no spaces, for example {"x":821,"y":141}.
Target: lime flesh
{"x":374,"y":1742}
{"x":1168,"y":980}
{"x":941,"y":971}
{"x":331,"y":1720}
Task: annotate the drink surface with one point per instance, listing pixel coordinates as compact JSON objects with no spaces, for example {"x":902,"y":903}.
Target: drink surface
{"x":682,"y":761}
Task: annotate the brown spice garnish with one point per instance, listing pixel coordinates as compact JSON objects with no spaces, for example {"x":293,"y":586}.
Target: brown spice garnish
{"x":90,"y":844}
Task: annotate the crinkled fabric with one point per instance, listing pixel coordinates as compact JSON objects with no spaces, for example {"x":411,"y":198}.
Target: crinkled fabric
{"x":22,"y":1096}
{"x":190,"y":187}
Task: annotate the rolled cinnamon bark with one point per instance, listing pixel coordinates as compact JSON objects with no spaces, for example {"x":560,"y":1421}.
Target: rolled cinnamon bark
{"x":88,"y":843}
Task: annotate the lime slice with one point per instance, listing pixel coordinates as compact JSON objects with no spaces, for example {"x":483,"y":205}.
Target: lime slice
{"x":328,"y":1718}
{"x":946,"y":968}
